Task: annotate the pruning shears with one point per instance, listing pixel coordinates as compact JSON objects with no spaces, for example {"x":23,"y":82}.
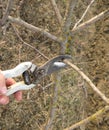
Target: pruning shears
{"x":32,"y":73}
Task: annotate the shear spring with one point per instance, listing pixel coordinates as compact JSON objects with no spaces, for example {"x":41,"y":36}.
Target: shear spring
{"x":26,"y":77}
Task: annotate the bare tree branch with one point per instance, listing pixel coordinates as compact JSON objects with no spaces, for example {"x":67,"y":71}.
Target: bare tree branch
{"x":33,"y":28}
{"x":88,"y":7}
{"x":67,"y":24}
{"x":88,"y":81}
{"x":16,"y":32}
{"x":7,"y":12}
{"x":91,"y":21}
{"x":57,"y":12}
{"x":56,"y":79}
{"x":88,"y":119}
{"x":66,"y":11}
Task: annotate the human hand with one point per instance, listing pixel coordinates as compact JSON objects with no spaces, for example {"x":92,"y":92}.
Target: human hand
{"x":4,"y":83}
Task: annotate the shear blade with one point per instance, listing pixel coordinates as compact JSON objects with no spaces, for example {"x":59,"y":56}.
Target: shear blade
{"x":56,"y":67}
{"x":55,"y":64}
{"x":59,"y":64}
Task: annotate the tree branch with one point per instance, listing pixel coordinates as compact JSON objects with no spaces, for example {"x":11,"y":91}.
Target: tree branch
{"x":88,"y":7}
{"x":33,"y":28}
{"x":88,"y":119}
{"x":67,"y":24}
{"x":57,"y":12}
{"x":88,"y":81}
{"x":91,"y":21}
{"x":5,"y":16}
{"x":16,"y":32}
{"x":56,"y":79}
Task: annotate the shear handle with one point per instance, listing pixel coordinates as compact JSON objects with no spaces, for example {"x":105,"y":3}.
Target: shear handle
{"x":17,"y":71}
{"x":18,"y":86}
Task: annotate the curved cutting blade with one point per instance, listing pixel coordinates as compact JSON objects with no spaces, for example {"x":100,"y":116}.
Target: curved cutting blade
{"x":55,"y":64}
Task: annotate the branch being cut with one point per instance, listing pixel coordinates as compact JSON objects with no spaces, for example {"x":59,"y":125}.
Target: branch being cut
{"x":57,"y":12}
{"x":91,"y":21}
{"x":88,"y":7}
{"x":33,"y":28}
{"x":88,"y":119}
{"x":5,"y":16}
{"x":88,"y":81}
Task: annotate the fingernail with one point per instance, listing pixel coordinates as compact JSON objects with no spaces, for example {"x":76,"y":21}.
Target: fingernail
{"x":18,"y":95}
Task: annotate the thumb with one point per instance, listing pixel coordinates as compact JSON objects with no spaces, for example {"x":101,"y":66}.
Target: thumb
{"x":2,"y":84}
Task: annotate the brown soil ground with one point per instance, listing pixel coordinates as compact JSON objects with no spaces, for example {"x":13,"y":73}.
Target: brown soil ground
{"x":32,"y":112}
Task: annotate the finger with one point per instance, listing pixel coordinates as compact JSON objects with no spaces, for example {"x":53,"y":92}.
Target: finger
{"x":10,"y":82}
{"x":2,"y":84}
{"x":18,"y":95}
{"x":4,"y":99}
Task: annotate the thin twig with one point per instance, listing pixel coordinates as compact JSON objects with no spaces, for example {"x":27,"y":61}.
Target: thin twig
{"x":2,"y":42}
{"x":57,"y":12}
{"x":88,"y":81}
{"x":88,"y":7}
{"x":91,"y":21}
{"x":88,"y":119}
{"x":33,"y":28}
{"x":20,"y":46}
{"x":21,"y":2}
{"x":16,"y":32}
{"x":7,"y":12}
{"x":47,"y":86}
